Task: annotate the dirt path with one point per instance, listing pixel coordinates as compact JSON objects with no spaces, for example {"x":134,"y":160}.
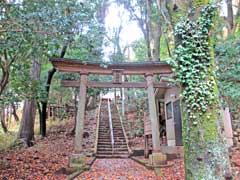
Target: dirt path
{"x":117,"y":169}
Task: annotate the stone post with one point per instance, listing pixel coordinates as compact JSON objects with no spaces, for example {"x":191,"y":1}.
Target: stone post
{"x":227,"y":122}
{"x":157,"y":157}
{"x":80,"y":114}
{"x":153,"y":113}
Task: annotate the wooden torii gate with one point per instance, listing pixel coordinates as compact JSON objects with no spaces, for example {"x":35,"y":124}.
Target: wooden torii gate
{"x":147,"y":68}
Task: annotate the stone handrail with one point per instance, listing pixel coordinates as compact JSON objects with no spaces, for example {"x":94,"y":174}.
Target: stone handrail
{"x":124,"y":132}
{"x":97,"y":128}
{"x":110,"y":124}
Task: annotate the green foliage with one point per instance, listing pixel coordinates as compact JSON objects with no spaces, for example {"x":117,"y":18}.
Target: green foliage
{"x":228,"y":62}
{"x":117,"y":57}
{"x":35,"y":30}
{"x":193,"y":64}
{"x":6,"y":140}
{"x":139,"y":49}
{"x":164,"y":54}
{"x":197,"y":3}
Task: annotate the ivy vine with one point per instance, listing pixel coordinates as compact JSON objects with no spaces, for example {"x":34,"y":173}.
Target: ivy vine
{"x":193,"y":62}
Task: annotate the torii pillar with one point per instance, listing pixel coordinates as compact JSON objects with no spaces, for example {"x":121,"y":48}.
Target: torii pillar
{"x":157,"y":157}
{"x":80,"y":113}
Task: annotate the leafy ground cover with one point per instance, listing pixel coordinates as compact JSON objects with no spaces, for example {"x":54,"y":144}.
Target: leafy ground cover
{"x":235,"y":159}
{"x":122,"y":169}
{"x":48,"y":160}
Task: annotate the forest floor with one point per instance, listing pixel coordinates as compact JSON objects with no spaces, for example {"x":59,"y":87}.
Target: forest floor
{"x":48,"y":160}
{"x":127,"y":169}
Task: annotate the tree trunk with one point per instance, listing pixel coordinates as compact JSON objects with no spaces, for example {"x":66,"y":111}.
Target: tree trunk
{"x":154,"y":32}
{"x":230,"y":15}
{"x":43,"y":117}
{"x":237,"y":23}
{"x":205,"y":152}
{"x":26,"y":131}
{"x":147,"y":39}
{"x":14,"y":112}
{"x":3,"y":123}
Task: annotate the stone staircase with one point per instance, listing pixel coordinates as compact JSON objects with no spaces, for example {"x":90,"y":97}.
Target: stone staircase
{"x":104,"y":147}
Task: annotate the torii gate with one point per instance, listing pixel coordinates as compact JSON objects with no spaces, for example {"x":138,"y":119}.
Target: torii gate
{"x":146,"y":68}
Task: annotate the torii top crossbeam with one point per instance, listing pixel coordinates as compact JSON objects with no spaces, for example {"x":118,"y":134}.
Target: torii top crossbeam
{"x":129,"y":68}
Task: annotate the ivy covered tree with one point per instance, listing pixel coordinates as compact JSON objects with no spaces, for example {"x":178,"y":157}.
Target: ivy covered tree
{"x":205,"y":151}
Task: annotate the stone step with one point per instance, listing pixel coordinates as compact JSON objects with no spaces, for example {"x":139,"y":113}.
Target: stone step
{"x":105,"y":145}
{"x":119,"y":142}
{"x":104,"y":148}
{"x":115,"y":133}
{"x":119,"y":138}
{"x":114,"y":152}
{"x":117,"y":129}
{"x":104,"y":141}
{"x":104,"y":137}
{"x":111,"y":156}
{"x":109,"y":140}
{"x":110,"y":149}
{"x":118,"y":132}
{"x":104,"y":132}
{"x":116,"y":144}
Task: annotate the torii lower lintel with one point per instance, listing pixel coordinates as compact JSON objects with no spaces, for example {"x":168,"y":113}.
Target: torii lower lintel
{"x":96,"y":84}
